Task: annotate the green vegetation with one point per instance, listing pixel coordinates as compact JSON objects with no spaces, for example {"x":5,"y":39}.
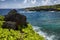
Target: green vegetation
{"x":1,"y":18}
{"x":45,"y":8}
{"x":5,"y":34}
{"x":28,"y":33}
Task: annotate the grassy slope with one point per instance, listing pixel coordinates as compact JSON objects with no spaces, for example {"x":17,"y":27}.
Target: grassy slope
{"x":28,"y":34}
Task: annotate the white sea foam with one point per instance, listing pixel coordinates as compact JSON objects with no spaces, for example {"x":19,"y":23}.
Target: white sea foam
{"x":21,"y":11}
{"x":27,"y":11}
{"x":52,"y":11}
{"x":44,"y":34}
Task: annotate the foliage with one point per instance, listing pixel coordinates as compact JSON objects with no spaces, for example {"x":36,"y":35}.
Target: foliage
{"x":28,"y":34}
{"x":1,"y":18}
{"x":1,"y":23}
{"x":5,"y":34}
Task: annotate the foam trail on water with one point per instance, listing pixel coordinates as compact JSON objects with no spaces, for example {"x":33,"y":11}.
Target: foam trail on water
{"x":37,"y":29}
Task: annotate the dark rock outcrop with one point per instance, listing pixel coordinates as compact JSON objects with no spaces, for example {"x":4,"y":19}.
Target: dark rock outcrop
{"x":16,"y":17}
{"x":10,"y":25}
{"x":13,"y":19}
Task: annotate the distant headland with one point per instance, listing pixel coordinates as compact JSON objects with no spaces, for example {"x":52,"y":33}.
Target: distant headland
{"x":44,"y":8}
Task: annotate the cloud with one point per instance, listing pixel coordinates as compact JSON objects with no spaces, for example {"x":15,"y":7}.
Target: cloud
{"x":12,"y":6}
{"x":55,"y":2}
{"x":25,"y":1}
{"x":3,"y":7}
{"x":46,"y":2}
{"x":33,"y":1}
{"x":2,"y":0}
{"x":28,"y":3}
{"x":49,"y":2}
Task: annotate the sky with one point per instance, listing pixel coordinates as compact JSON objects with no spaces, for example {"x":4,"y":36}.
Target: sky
{"x":26,"y":3}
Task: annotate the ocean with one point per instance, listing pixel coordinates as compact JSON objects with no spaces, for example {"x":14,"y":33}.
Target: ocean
{"x":45,"y":23}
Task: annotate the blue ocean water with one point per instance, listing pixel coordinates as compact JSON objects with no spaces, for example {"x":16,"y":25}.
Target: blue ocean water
{"x":46,"y":23}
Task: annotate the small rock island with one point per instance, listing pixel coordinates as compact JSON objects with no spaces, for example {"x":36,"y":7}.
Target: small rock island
{"x":14,"y":26}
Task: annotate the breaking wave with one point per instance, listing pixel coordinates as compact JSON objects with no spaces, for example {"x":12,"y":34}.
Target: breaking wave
{"x":44,"y":34}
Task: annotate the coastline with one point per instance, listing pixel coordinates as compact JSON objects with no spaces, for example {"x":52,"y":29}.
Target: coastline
{"x":44,"y":8}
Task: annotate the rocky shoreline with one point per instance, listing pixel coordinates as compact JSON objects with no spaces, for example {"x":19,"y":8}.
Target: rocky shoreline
{"x":14,"y":26}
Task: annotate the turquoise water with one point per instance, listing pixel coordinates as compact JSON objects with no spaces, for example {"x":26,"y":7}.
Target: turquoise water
{"x":47,"y":21}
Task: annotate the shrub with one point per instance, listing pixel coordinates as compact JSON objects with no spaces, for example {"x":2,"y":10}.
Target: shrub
{"x":1,"y":18}
{"x":28,"y":34}
{"x":1,"y":23}
{"x":5,"y":34}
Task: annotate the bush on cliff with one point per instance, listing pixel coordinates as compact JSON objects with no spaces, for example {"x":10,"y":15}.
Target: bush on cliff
{"x":2,"y":18}
{"x":29,"y":34}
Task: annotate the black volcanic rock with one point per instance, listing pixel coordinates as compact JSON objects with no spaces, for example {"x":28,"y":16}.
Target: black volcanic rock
{"x":10,"y":25}
{"x":14,"y":19}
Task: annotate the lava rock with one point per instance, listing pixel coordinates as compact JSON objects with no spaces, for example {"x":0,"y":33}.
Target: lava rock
{"x":10,"y":25}
{"x":14,"y":16}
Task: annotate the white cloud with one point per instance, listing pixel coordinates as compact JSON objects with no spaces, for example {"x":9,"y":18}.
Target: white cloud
{"x":11,"y":6}
{"x":55,"y":2}
{"x":25,"y":1}
{"x":46,"y":2}
{"x":29,"y":3}
{"x":33,"y":1}
{"x":2,"y":0}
